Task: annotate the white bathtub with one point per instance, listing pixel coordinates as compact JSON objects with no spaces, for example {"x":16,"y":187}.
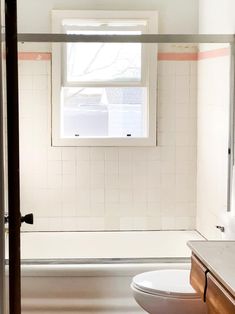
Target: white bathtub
{"x":90,"y":272}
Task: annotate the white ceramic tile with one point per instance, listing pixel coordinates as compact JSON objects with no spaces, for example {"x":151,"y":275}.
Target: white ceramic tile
{"x":97,"y":153}
{"x":153,"y":195}
{"x":69,"y":181}
{"x":166,"y":82}
{"x":125,"y":154}
{"x":40,"y":82}
{"x":168,"y":223}
{"x":97,"y":181}
{"x":140,"y":181}
{"x":112,"y":209}
{"x":25,"y":82}
{"x":154,"y":209}
{"x":68,"y":153}
{"x":83,"y":153}
{"x":125,"y":167}
{"x":126,"y":223}
{"x":182,"y":95}
{"x":126,"y":209}
{"x":101,"y":188}
{"x":111,"y":154}
{"x":140,"y":208}
{"x":97,"y":167}
{"x":97,"y":223}
{"x":112,"y":181}
{"x":97,"y":195}
{"x":139,"y":223}
{"x":39,"y":67}
{"x":139,"y":195}
{"x":54,"y":167}
{"x":126,"y":195}
{"x":125,"y":181}
{"x":153,"y":153}
{"x":54,"y":181}
{"x":182,"y":68}
{"x":182,"y":83}
{"x":154,"y":223}
{"x":97,"y":209}
{"x":111,"y":223}
{"x":139,"y":167}
{"x":68,"y":167}
{"x":111,"y":167}
{"x":69,"y":195}
{"x":54,"y":153}
{"x":111,"y":195}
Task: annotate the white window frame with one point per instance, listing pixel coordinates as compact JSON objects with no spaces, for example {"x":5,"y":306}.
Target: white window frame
{"x":149,"y":75}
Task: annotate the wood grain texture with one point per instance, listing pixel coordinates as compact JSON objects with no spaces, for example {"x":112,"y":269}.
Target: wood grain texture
{"x":218,"y":299}
{"x":198,"y":276}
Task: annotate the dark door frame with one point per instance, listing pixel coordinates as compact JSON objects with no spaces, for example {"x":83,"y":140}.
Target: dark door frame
{"x":13,"y":156}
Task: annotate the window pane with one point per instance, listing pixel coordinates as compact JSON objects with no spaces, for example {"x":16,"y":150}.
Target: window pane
{"x":103,"y":112}
{"x":99,"y":62}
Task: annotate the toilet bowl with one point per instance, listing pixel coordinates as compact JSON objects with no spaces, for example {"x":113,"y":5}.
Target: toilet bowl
{"x":167,"y":292}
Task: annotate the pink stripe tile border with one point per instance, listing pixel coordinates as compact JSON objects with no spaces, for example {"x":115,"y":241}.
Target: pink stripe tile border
{"x":34,"y":56}
{"x":216,"y":53}
{"x":177,"y":56}
{"x":162,"y":56}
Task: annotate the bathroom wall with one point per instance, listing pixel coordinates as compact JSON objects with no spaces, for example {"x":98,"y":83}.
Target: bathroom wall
{"x":113,"y":188}
{"x":179,"y":16}
{"x":215,"y":17}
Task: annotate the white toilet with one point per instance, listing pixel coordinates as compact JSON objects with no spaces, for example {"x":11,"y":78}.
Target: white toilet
{"x":167,"y":292}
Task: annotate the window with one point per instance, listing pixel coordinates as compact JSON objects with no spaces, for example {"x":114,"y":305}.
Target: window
{"x":104,"y":94}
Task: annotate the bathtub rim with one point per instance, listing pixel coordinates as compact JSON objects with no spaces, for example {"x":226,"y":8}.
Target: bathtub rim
{"x":99,"y":270}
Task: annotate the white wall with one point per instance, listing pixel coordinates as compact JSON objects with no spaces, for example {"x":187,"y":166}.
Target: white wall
{"x":215,"y":16}
{"x":111,"y":188}
{"x":178,"y":16}
{"x":122,"y":188}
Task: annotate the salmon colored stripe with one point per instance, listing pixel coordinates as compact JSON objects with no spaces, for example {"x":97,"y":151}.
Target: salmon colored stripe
{"x":162,"y":56}
{"x":36,"y":56}
{"x":221,"y":52}
{"x":177,"y":56}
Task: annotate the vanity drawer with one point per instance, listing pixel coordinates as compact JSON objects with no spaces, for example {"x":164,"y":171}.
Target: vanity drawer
{"x":218,"y":299}
{"x":198,"y":276}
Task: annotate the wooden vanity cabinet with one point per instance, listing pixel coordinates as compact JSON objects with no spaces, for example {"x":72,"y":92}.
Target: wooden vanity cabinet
{"x":218,"y":299}
{"x":198,"y":276}
{"x":216,"y":296}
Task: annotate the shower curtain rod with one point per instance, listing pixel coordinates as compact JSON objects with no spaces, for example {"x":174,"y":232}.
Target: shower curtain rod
{"x":144,"y":38}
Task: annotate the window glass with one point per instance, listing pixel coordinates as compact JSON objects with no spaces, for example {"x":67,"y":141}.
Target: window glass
{"x":103,"y":112}
{"x":100,"y":62}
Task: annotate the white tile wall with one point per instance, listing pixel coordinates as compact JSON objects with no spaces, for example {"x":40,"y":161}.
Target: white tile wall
{"x":110,"y":188}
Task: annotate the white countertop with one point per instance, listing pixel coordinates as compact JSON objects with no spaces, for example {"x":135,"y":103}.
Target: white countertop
{"x":219,"y":258}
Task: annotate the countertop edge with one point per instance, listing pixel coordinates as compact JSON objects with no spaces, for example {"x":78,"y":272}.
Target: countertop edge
{"x":210,"y":268}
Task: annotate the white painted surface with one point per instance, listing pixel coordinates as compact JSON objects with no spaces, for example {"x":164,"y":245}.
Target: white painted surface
{"x":94,"y":288}
{"x":166,"y":282}
{"x":213,"y":120}
{"x":72,"y":289}
{"x":218,"y":17}
{"x":74,"y":245}
{"x":219,"y":258}
{"x":179,"y":16}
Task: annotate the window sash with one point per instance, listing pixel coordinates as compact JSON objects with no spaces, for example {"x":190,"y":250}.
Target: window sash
{"x":150,"y":18}
{"x":144,"y":53}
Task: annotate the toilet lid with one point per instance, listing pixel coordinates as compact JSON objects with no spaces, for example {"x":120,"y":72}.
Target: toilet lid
{"x":174,"y":282}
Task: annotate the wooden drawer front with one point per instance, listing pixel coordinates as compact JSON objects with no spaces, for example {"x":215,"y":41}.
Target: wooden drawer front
{"x":218,"y":299}
{"x":198,"y":276}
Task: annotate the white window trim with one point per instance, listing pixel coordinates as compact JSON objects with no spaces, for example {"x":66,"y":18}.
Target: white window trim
{"x":151,"y":73}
